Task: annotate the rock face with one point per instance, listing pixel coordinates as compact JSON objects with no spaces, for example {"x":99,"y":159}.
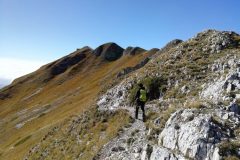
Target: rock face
{"x":188,"y":134}
{"x":224,"y":87}
{"x":109,"y":51}
{"x":116,"y":97}
{"x":63,"y":64}
{"x":194,"y":134}
{"x":161,"y":153}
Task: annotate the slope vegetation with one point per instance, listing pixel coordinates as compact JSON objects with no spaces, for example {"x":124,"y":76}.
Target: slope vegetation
{"x":36,"y":102}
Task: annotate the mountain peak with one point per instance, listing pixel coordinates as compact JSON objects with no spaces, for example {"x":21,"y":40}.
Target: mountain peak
{"x":109,"y":51}
{"x":133,"y":50}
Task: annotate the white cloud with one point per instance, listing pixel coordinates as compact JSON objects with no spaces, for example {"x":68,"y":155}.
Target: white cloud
{"x":13,"y":68}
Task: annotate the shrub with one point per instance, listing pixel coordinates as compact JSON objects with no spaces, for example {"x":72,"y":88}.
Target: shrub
{"x":229,"y":150}
{"x":195,"y":104}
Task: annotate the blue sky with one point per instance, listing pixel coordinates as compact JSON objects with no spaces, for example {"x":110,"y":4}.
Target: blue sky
{"x":41,"y":31}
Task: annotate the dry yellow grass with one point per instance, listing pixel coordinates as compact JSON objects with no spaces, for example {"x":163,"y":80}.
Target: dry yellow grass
{"x":75,"y":94}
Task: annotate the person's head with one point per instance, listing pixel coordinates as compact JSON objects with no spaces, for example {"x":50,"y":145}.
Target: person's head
{"x":141,"y":85}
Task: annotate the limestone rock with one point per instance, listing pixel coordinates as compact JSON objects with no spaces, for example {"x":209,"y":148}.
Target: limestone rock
{"x":161,"y":153}
{"x":216,"y":40}
{"x":193,"y":133}
{"x":115,"y":98}
{"x":217,"y":89}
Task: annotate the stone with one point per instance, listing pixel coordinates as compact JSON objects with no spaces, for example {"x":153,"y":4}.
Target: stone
{"x":161,"y":153}
{"x":184,"y":89}
{"x":191,"y":138}
{"x":157,"y":121}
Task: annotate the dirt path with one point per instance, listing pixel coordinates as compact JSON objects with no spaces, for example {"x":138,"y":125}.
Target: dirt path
{"x":130,"y":144}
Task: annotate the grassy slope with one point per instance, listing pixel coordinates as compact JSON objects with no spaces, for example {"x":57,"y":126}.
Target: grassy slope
{"x":73,"y":96}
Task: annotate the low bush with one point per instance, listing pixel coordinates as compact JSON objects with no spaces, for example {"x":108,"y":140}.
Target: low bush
{"x":229,"y":150}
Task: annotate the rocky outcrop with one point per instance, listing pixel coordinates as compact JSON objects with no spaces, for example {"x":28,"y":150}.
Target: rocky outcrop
{"x":161,"y":153}
{"x":217,"y":40}
{"x":63,"y":64}
{"x":195,"y":134}
{"x":109,"y":51}
{"x":116,"y":97}
{"x":226,"y":86}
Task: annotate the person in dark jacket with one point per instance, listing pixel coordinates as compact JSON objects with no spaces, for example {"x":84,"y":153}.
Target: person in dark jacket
{"x":141,"y":98}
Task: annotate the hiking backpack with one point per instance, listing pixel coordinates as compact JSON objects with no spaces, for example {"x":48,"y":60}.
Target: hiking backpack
{"x":143,"y":95}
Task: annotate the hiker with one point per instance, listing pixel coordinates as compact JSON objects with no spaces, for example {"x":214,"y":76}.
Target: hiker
{"x":141,"y":98}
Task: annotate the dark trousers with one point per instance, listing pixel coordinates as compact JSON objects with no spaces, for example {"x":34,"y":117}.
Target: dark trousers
{"x":142,"y":105}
